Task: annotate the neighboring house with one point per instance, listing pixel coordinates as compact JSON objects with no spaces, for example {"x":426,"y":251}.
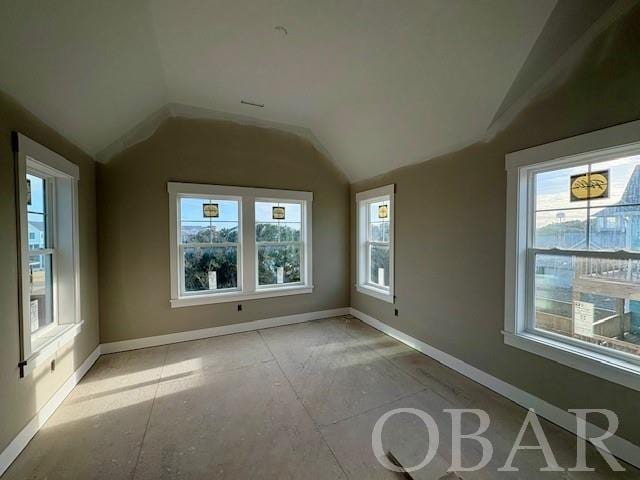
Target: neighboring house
{"x":36,"y":240}
{"x":36,"y":235}
{"x":618,"y":226}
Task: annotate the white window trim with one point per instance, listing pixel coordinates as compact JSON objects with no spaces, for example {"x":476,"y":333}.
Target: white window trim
{"x":610,"y":143}
{"x":48,"y":162}
{"x":248,"y":288}
{"x":362,"y":284}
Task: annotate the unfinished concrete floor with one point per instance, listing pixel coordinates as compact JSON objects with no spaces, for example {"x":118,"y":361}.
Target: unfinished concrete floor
{"x":294,"y":402}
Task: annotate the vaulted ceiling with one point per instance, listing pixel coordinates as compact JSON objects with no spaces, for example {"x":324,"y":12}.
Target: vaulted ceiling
{"x":379,"y":83}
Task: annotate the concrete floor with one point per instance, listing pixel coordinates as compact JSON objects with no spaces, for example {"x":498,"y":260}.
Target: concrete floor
{"x":294,"y":402}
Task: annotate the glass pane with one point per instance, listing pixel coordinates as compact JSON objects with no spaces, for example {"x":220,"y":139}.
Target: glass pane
{"x":209,"y":232}
{"x":379,"y":231}
{"x":210,"y":268}
{"x":379,"y":211}
{"x":198,"y":223}
{"x":591,"y":299}
{"x":611,"y":221}
{"x":292,"y":212}
{"x":624,"y":181}
{"x":553,"y":189}
{"x":615,"y":228}
{"x":37,"y":230}
{"x":278,"y":232}
{"x":192,"y":209}
{"x":561,"y":229}
{"x":35,"y":194}
{"x":379,"y":265}
{"x":41,"y":291}
{"x":278,"y":264}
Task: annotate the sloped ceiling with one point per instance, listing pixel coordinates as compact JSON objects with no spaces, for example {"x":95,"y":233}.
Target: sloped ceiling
{"x":380,"y":83}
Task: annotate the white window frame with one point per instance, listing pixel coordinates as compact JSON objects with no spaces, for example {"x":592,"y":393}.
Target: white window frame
{"x":247,"y":255}
{"x":61,"y":177}
{"x":602,"y":145}
{"x":363,"y":199}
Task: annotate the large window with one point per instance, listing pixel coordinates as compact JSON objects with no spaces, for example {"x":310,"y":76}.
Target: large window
{"x":230,"y":243}
{"x":375,"y":242}
{"x":49,"y":256}
{"x":575,"y":226}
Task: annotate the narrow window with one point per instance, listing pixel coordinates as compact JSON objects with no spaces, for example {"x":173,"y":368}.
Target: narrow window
{"x":375,"y":242}
{"x":49,"y":250}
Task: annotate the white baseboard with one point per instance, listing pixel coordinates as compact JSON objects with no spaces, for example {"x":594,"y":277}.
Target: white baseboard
{"x":618,"y":446}
{"x":146,"y":342}
{"x":27,"y":433}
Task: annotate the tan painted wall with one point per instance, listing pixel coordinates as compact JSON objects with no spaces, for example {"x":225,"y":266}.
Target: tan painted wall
{"x":450,"y":234}
{"x":134,"y":222}
{"x":22,"y":398}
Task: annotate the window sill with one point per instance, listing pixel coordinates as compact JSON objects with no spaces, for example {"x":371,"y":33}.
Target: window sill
{"x":603,"y":366}
{"x":48,"y":346}
{"x":378,"y":293}
{"x":237,"y":296}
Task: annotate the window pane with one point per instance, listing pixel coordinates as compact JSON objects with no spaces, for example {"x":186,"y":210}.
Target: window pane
{"x":379,"y":265}
{"x":210,"y":268}
{"x":611,"y":221}
{"x":270,"y":229}
{"x":292,"y":212}
{"x":561,"y":229}
{"x":553,"y":189}
{"x":36,"y":199}
{"x":197,"y":227}
{"x":192,"y":209}
{"x":37,"y":230}
{"x":379,"y":211}
{"x":590,"y":299}
{"x":615,"y":228}
{"x":379,"y":231}
{"x":624,"y":181}
{"x":41,"y":291}
{"x":209,"y":232}
{"x":278,"y":264}
{"x":281,"y":232}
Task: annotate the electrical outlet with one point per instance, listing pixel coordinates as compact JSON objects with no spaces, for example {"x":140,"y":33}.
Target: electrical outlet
{"x":395,"y":312}
{"x":239,"y":307}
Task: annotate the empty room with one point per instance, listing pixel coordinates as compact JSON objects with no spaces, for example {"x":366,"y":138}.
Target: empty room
{"x":319,"y":239}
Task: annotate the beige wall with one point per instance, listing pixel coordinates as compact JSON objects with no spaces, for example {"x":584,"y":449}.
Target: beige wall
{"x":22,"y":398}
{"x":134,"y":222}
{"x":450,"y":234}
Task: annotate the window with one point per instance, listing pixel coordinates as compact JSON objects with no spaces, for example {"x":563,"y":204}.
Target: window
{"x":375,"y":242}
{"x":573,"y":252}
{"x":209,"y":244}
{"x":49,"y":253}
{"x":231,"y":243}
{"x":279,"y":243}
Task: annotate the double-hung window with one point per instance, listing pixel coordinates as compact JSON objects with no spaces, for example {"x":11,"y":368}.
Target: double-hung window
{"x":46,"y":186}
{"x":279,"y":243}
{"x":233,"y":243}
{"x":209,"y":244}
{"x":375,"y":220}
{"x":573,"y":252}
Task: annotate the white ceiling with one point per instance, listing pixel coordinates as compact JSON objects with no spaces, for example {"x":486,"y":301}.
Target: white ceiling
{"x":380,"y":83}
